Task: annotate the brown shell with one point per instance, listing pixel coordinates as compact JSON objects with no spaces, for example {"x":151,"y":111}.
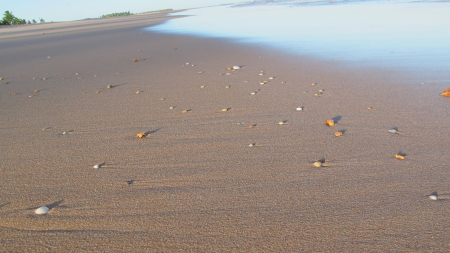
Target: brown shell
{"x":338,"y":134}
{"x":400,"y":156}
{"x":446,"y":93}
{"x":141,"y":135}
{"x":135,"y":60}
{"x":329,"y":122}
{"x":317,"y":164}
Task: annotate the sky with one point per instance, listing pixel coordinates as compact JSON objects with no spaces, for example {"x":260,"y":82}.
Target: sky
{"x":67,"y":10}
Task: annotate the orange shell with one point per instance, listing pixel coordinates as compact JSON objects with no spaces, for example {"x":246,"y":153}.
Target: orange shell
{"x":446,"y":93}
{"x":141,"y":135}
{"x":400,"y":157}
{"x":338,"y":134}
{"x":135,"y":60}
{"x":329,"y":122}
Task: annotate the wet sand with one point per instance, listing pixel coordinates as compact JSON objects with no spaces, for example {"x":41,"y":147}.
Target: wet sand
{"x":195,"y":184}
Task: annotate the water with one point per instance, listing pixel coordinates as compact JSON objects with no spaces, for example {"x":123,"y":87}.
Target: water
{"x":411,"y":35}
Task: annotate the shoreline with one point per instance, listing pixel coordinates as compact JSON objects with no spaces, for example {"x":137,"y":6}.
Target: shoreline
{"x":196,"y":185}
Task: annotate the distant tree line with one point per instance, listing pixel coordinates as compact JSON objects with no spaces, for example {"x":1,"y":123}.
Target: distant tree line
{"x":117,"y":14}
{"x":128,"y":13}
{"x":10,"y":19}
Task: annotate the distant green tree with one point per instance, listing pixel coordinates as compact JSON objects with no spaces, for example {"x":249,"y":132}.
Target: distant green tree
{"x":34,"y":21}
{"x":28,"y":22}
{"x":8,"y":18}
{"x":41,"y":20}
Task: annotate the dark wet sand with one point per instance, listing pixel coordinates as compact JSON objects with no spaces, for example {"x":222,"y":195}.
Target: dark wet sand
{"x":197,"y":185}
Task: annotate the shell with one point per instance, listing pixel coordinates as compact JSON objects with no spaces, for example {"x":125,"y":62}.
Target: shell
{"x":284,"y":122}
{"x":42,"y":210}
{"x":329,"y":122}
{"x":36,"y":91}
{"x":446,"y":93}
{"x":237,"y":67}
{"x":97,"y":166}
{"x":225,"y":109}
{"x":135,"y":60}
{"x":400,"y":156}
{"x":338,"y":134}
{"x":433,"y":196}
{"x":227,"y":87}
{"x":109,"y":86}
{"x":317,"y":164}
{"x":251,"y":144}
{"x":299,"y":108}
{"x":137,"y":92}
{"x":141,"y":135}
{"x":393,"y":131}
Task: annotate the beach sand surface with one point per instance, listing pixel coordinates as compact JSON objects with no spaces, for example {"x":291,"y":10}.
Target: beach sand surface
{"x":193,"y":184}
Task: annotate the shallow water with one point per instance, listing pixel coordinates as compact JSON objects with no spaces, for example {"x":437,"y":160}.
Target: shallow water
{"x":412,"y":36}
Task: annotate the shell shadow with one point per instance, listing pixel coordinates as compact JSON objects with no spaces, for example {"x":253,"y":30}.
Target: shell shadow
{"x":322,"y":160}
{"x":153,"y":131}
{"x":343,"y":131}
{"x":117,"y":85}
{"x":336,"y":118}
{"x":55,"y":204}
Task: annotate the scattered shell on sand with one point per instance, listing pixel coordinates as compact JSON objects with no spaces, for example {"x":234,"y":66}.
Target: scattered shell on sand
{"x":263,"y":82}
{"x":14,"y":93}
{"x":96,"y":92}
{"x":433,"y":196}
{"x":1,"y":78}
{"x":30,"y":96}
{"x":299,"y":108}
{"x":65,"y":132}
{"x":228,"y":74}
{"x":394,"y":131}
{"x":202,"y":87}
{"x":321,"y":90}
{"x":338,"y":134}
{"x":141,"y":135}
{"x":227,"y":87}
{"x":237,"y":67}
{"x":313,"y":84}
{"x":172,"y":107}
{"x":226,"y":109}
{"x":251,"y":125}
{"x":400,"y":156}
{"x":98,"y":165}
{"x":162,"y":99}
{"x":253,"y":93}
{"x":229,"y":68}
{"x":77,"y":73}
{"x":446,"y":93}
{"x":36,"y":91}
{"x":135,"y":60}
{"x":185,"y":111}
{"x":284,"y":122}
{"x":137,"y":92}
{"x":252,"y":144}
{"x":369,"y":108}
{"x":329,"y":122}
{"x":318,"y":164}
{"x":318,"y":94}
{"x":42,"y":210}
{"x":271,"y":78}
{"x":44,"y":78}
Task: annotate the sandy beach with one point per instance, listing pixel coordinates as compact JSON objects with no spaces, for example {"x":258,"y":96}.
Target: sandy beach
{"x":194,"y":184}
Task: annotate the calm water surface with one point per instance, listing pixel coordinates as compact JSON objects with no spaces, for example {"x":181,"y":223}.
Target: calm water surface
{"x":408,"y":35}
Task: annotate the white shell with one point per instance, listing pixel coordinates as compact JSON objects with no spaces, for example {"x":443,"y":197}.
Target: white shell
{"x":42,"y":210}
{"x":299,"y":108}
{"x":251,"y":144}
{"x":236,"y":67}
{"x":393,"y":130}
{"x":97,"y":166}
{"x":433,"y":197}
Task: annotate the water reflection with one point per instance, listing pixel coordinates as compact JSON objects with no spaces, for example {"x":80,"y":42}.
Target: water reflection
{"x":401,"y":33}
